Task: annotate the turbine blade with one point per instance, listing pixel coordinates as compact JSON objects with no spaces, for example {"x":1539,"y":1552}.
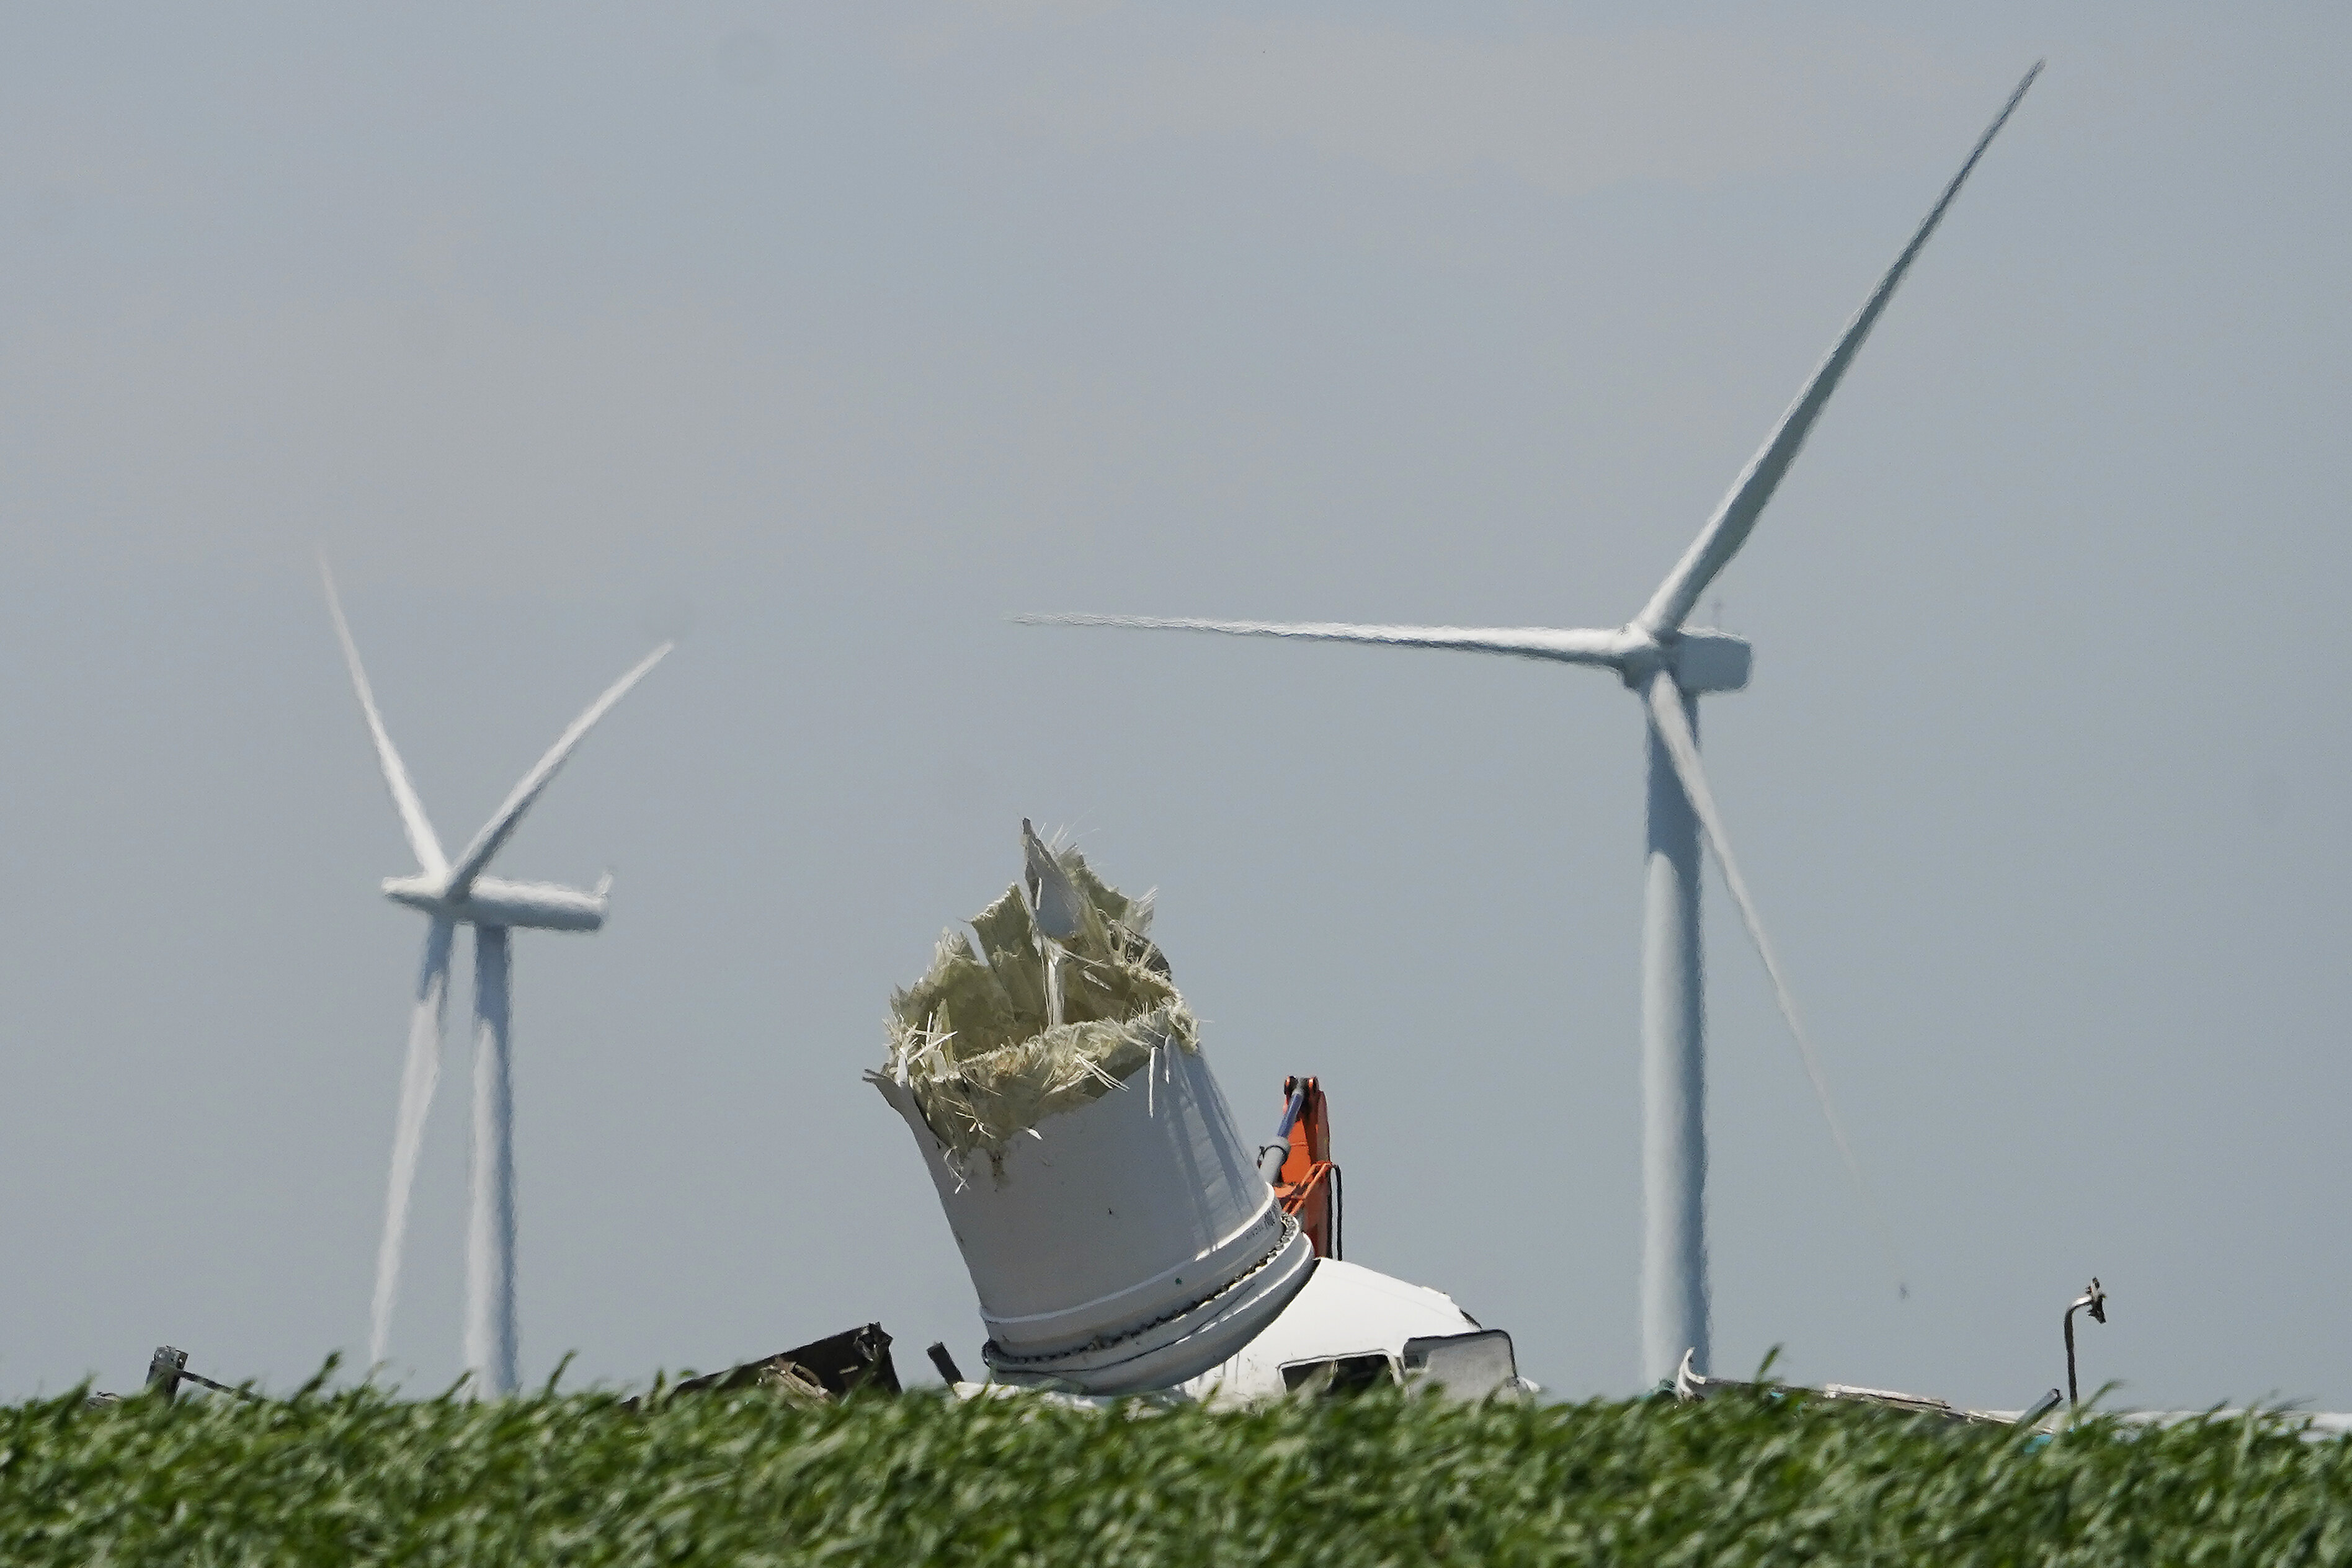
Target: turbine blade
{"x":496,"y":831}
{"x":1579,"y":646}
{"x":1664,"y":700}
{"x":417,"y":1082}
{"x":422,"y":843}
{"x":1733,"y":520}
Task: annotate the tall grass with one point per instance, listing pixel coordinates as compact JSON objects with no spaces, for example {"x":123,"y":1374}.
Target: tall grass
{"x":359,"y":1476}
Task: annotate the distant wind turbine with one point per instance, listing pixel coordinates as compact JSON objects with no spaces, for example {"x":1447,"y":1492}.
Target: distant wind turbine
{"x":450,"y":895}
{"x":1669,"y":665}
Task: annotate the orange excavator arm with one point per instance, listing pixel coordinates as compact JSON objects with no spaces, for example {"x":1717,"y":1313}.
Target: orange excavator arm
{"x":1306,"y":1183}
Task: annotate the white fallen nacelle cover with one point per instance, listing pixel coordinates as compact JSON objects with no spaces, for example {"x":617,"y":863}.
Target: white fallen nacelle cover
{"x":1114,"y":1221}
{"x":1351,"y":1328}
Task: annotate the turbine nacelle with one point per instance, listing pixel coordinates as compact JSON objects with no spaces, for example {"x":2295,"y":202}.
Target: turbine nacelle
{"x":1700,"y":660}
{"x":496,"y":902}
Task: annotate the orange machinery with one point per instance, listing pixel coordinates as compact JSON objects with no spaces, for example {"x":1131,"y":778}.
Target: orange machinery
{"x":1307,"y":1182}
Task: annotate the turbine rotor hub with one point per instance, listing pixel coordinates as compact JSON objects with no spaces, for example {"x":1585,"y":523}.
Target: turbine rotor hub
{"x":1644,"y":655}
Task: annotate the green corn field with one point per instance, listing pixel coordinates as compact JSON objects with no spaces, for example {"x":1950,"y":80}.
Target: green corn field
{"x":361,"y":1477}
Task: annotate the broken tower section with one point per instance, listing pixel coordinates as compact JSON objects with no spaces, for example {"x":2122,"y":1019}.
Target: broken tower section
{"x":1114,"y":1221}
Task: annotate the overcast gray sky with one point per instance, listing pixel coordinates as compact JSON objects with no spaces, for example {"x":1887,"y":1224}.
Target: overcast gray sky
{"x":825,"y":337}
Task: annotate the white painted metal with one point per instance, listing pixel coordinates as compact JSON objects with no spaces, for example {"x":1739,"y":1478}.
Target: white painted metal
{"x":1734,"y":520}
{"x":464,"y":895}
{"x":1670,"y":666}
{"x":490,"y":1230}
{"x":416,"y":1082}
{"x":1674,"y":1078}
{"x":1130,"y":1244}
{"x":1673,"y":727}
{"x":1706,"y":661}
{"x":422,"y":841}
{"x":1343,"y":1310}
{"x":1582,"y":645}
{"x":501,"y":824}
{"x":494,"y":901}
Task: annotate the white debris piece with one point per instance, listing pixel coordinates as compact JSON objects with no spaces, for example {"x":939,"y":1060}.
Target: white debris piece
{"x":1350,"y":1325}
{"x":1116,"y":1228}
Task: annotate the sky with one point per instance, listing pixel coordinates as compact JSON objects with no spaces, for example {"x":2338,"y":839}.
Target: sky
{"x":826,"y":339}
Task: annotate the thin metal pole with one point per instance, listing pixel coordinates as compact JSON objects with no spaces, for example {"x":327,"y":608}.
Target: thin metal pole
{"x":2095,"y":1298}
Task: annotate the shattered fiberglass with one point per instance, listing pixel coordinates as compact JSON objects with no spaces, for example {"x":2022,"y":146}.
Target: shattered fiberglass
{"x":1070,"y":1000}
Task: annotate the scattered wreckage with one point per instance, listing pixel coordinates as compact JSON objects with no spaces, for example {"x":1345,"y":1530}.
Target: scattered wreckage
{"x":1121,"y":1234}
{"x":856,"y":1361}
{"x":1122,"y":1237}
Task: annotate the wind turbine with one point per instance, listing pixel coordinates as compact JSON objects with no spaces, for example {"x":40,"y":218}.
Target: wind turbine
{"x":450,"y":894}
{"x":1669,"y":664}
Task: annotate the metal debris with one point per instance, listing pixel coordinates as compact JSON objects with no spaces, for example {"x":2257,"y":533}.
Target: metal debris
{"x":817,"y":1373}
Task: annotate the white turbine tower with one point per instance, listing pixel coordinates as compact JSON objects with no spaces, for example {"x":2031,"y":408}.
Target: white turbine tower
{"x":1669,"y":665}
{"x":450,"y":894}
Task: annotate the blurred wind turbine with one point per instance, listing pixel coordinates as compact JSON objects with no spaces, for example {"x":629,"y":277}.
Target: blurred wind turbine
{"x":1670,"y":665}
{"x":450,"y":895}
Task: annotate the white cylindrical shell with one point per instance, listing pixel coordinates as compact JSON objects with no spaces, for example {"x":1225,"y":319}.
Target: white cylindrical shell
{"x":1130,"y":1244}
